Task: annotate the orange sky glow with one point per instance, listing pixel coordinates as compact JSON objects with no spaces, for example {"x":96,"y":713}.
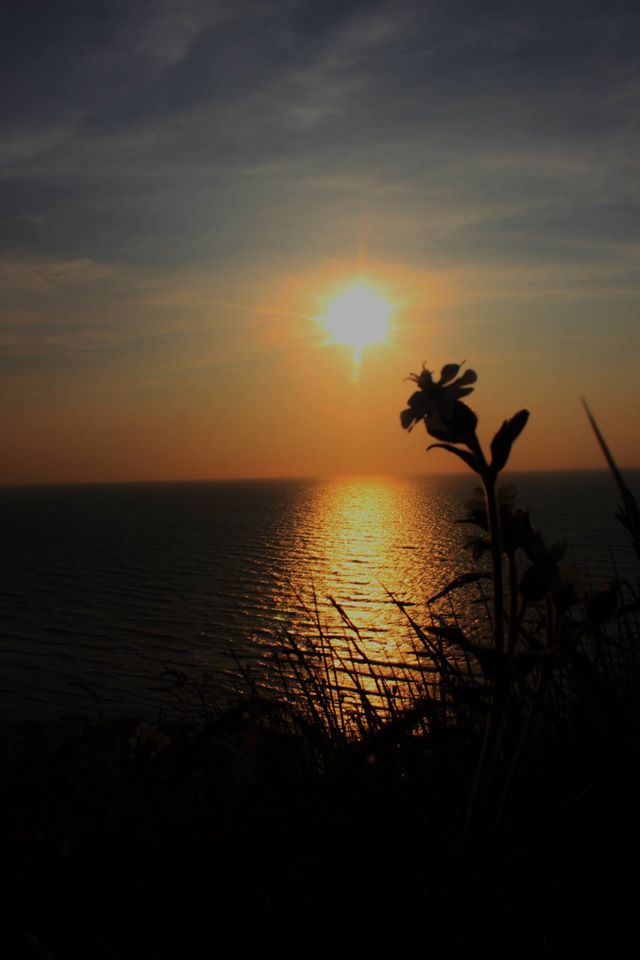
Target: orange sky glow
{"x":277,"y":396}
{"x":187,"y":214}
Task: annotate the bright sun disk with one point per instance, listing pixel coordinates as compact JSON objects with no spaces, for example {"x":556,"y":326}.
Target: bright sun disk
{"x":357,"y":316}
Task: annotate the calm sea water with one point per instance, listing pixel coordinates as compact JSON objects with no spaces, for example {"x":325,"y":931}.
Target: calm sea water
{"x":102,"y":586}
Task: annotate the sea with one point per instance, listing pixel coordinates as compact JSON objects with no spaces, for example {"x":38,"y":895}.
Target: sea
{"x":124,"y":599}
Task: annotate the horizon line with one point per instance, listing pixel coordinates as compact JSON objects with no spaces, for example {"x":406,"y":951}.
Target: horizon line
{"x":267,"y":478}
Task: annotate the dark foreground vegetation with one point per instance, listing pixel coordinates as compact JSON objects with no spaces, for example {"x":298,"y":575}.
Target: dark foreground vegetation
{"x":485,"y":799}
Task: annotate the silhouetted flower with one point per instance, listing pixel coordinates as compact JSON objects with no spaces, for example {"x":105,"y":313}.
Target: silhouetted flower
{"x":439,"y":405}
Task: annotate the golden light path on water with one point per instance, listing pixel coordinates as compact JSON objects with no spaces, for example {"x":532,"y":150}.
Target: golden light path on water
{"x":352,"y":545}
{"x":103,"y":587}
{"x":215,"y":578}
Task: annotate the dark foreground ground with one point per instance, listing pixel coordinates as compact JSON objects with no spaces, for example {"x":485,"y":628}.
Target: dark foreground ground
{"x":127,"y":839}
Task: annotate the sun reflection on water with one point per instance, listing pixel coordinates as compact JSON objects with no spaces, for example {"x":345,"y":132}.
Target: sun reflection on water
{"x":360,"y":542}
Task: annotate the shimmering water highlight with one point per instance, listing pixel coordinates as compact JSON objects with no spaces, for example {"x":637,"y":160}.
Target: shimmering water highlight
{"x":101,"y":586}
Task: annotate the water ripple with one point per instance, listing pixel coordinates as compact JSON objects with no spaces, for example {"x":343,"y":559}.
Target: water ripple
{"x":104,"y":585}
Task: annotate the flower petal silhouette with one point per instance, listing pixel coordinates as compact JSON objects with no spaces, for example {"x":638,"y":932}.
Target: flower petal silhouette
{"x":449,"y":372}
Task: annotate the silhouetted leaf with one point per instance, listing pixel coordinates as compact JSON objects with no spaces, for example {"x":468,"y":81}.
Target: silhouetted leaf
{"x":451,"y":634}
{"x":505,"y":438}
{"x":462,"y":581}
{"x":468,"y":458}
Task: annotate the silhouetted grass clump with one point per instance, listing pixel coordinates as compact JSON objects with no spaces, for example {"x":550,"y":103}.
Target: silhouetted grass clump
{"x":482,"y":795}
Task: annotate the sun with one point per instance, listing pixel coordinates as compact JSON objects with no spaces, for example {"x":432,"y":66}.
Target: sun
{"x":358,"y":316}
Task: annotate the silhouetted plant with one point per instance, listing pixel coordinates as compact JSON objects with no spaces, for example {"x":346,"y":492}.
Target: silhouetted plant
{"x":446,"y":417}
{"x":346,"y":760}
{"x":534,"y":631}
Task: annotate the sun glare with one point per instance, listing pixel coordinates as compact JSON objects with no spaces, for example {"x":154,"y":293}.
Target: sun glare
{"x":357,"y":316}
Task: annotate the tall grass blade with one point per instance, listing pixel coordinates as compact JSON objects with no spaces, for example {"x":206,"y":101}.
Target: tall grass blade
{"x":629,"y":515}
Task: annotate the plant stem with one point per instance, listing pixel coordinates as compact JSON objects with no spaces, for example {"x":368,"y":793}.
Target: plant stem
{"x":496,"y":560}
{"x":514,"y":623}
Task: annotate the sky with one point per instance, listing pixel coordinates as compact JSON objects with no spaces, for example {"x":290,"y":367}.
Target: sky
{"x":185,"y":185}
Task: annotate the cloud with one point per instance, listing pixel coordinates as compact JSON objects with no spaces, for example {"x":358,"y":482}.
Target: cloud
{"x":173,"y":133}
{"x":42,"y":274}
